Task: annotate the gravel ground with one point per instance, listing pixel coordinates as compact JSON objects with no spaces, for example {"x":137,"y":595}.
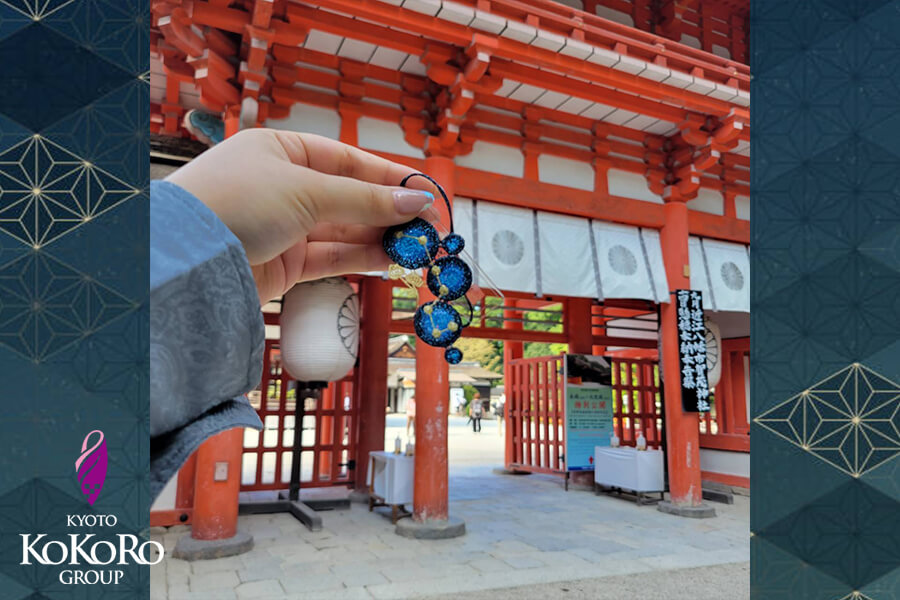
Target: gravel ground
{"x":720,"y":582}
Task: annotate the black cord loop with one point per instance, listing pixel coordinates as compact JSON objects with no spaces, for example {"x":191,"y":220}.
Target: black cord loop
{"x":440,"y":189}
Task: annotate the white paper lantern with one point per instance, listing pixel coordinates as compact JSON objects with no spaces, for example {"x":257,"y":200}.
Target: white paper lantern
{"x":320,"y":330}
{"x":713,"y":353}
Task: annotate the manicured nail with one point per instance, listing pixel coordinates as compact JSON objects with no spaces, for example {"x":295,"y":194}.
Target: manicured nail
{"x":408,"y":202}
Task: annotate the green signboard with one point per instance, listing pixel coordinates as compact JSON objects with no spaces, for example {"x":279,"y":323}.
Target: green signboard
{"x":589,"y":423}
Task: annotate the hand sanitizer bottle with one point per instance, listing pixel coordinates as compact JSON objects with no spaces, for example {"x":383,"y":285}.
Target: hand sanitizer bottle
{"x":614,"y":441}
{"x":641,"y":442}
{"x":398,"y":445}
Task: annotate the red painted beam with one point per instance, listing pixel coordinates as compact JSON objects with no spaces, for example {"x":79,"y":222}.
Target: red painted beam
{"x":496,"y":333}
{"x":451,"y":34}
{"x":170,"y":518}
{"x":459,"y":35}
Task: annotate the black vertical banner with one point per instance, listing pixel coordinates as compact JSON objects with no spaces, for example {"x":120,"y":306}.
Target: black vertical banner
{"x":692,"y":351}
{"x":74,"y":275}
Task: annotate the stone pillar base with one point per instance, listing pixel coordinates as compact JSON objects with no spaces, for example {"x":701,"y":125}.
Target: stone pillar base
{"x":360,"y":496}
{"x":188,"y":548}
{"x":431,"y":530}
{"x":703,"y":511}
{"x":503,"y":471}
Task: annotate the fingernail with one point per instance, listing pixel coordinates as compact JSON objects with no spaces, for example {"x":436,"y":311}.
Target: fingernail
{"x":408,"y":202}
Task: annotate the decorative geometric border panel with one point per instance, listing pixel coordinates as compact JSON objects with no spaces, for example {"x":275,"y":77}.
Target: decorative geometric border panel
{"x":74,"y":278}
{"x":825,"y":339}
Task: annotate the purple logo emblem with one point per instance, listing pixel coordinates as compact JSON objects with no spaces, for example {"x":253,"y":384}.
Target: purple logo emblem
{"x":91,"y":466}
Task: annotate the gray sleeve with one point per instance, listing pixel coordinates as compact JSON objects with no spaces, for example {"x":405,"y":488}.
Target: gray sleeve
{"x":207,"y":335}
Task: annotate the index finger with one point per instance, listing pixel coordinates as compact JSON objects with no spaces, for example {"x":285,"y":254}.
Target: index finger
{"x":336,"y":158}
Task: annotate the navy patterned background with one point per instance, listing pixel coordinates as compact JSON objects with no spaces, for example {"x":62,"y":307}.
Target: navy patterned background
{"x":74,"y":274}
{"x":826,"y":299}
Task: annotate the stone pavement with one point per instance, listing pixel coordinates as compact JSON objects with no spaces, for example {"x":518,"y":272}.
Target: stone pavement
{"x":701,"y":583}
{"x":521,"y":531}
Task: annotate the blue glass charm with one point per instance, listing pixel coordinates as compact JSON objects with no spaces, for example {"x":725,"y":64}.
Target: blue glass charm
{"x":453,"y":355}
{"x":412,"y":245}
{"x":449,"y":278}
{"x":453,"y":244}
{"x":415,"y":245}
{"x":437,"y":324}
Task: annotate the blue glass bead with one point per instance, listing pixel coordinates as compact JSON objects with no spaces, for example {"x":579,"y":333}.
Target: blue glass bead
{"x":449,"y":278}
{"x":437,"y":324}
{"x":453,"y":243}
{"x":411,"y":245}
{"x":453,"y":355}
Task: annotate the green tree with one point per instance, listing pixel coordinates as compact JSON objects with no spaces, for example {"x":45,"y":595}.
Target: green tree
{"x":535,"y":349}
{"x":547,"y":319}
{"x":487,"y":353}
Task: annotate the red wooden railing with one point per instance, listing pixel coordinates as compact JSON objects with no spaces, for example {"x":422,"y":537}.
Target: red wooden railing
{"x":534,"y":417}
{"x":535,"y":432}
{"x":637,"y":403}
{"x":327,"y":442}
{"x":726,"y":426}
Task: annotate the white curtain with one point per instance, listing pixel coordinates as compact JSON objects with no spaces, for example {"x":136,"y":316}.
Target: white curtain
{"x":728,"y":268}
{"x":699,"y":280}
{"x":567,"y":264}
{"x":624,"y":267}
{"x":505,"y":245}
{"x":721,"y":270}
{"x":653,"y":248}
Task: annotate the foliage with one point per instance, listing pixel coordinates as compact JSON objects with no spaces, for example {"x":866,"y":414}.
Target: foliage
{"x":487,"y":353}
{"x":468,"y":392}
{"x":550,"y":319}
{"x":535,"y":349}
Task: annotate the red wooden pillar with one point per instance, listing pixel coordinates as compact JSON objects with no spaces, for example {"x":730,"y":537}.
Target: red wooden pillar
{"x":579,"y":331}
{"x":216,"y":502}
{"x":350,"y":114}
{"x":597,"y":320}
{"x":373,"y":361}
{"x":232,"y":120}
{"x":184,"y":492}
{"x":325,"y":430}
{"x":511,"y":351}
{"x":682,"y":428}
{"x":430,"y":500}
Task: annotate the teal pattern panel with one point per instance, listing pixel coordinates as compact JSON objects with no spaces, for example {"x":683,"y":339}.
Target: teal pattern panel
{"x":825,"y":318}
{"x":74,"y":276}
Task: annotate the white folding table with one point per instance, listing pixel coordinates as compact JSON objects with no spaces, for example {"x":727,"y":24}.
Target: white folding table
{"x":390,"y":481}
{"x":626,"y":468}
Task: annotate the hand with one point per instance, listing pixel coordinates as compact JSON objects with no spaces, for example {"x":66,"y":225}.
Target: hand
{"x":303,"y":206}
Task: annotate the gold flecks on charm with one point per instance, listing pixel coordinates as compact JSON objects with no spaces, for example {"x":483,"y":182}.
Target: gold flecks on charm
{"x":427,"y":309}
{"x":395,"y":271}
{"x":435,"y":270}
{"x":412,"y":279}
{"x":436,"y":333}
{"x":452,"y":326}
{"x":423,"y":240}
{"x":443,"y":290}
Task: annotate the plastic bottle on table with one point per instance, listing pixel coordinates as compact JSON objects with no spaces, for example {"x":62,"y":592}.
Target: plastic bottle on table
{"x":641,"y":442}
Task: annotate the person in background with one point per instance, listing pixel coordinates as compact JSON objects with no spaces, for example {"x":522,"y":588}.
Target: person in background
{"x":411,"y":414}
{"x":498,"y":410}
{"x":476,"y":411}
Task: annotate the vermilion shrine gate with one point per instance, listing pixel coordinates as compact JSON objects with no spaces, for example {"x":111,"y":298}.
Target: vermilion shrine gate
{"x":597,"y":154}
